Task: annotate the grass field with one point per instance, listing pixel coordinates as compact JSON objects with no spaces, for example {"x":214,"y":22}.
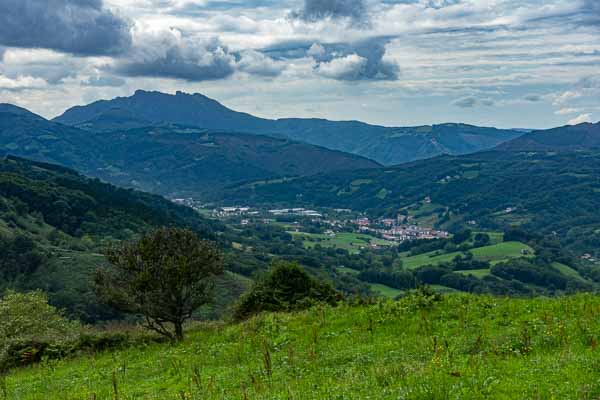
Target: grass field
{"x":353,"y":242}
{"x":493,"y":253}
{"x":478,"y":273}
{"x":385,"y":291}
{"x":464,"y":347}
{"x":567,"y":271}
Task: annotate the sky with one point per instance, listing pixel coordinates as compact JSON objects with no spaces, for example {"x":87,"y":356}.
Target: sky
{"x":504,"y":63}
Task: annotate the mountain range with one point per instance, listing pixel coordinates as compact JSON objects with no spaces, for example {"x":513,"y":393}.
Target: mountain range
{"x":170,"y":160}
{"x":386,"y":145}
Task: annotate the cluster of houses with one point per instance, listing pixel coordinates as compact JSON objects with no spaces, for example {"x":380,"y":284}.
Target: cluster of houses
{"x":296,"y":211}
{"x":399,"y":230}
{"x":588,"y":257}
{"x":191,"y":203}
{"x":226,"y":212}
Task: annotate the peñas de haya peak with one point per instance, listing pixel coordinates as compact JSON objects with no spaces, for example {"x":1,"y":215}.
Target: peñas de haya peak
{"x":169,"y":160}
{"x":386,"y":145}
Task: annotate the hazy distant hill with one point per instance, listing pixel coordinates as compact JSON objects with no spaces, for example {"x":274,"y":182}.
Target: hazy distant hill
{"x":168,"y":160}
{"x":566,"y":138}
{"x":383,"y":144}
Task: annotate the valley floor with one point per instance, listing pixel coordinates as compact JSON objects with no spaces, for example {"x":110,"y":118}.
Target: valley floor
{"x":462,"y":347}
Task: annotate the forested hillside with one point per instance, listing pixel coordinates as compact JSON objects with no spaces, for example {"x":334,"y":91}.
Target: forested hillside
{"x":567,"y":138}
{"x":166,"y":160}
{"x":55,"y":224}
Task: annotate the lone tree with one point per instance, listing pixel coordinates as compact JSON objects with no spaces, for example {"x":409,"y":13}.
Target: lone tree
{"x":165,"y":276}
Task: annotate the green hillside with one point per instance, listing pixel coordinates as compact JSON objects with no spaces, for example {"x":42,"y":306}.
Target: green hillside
{"x":545,"y":193}
{"x":55,"y":223}
{"x":461,"y":347}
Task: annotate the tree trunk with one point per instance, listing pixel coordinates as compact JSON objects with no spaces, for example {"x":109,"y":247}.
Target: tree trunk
{"x":178,"y":331}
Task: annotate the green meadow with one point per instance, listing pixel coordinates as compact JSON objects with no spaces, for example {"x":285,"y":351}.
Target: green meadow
{"x":458,"y":347}
{"x":494,"y":254}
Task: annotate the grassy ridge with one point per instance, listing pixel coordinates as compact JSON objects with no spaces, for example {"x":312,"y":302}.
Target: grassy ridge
{"x":463,"y":347}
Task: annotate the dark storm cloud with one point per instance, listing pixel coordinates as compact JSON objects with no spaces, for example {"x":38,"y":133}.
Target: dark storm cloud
{"x":173,"y":55}
{"x":317,"y":10}
{"x":80,"y":27}
{"x":202,"y":64}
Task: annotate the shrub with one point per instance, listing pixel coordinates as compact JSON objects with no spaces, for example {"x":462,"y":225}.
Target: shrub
{"x":29,"y":327}
{"x":287,"y":287}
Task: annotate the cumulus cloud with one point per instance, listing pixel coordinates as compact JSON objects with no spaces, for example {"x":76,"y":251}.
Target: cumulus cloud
{"x":580,"y":119}
{"x":82,"y":27}
{"x":21,"y":83}
{"x":170,"y":54}
{"x":354,"y":11}
{"x":173,"y":54}
{"x":349,"y":68}
{"x":48,"y":65}
{"x":354,"y":62}
{"x":472,"y":102}
{"x":256,"y":63}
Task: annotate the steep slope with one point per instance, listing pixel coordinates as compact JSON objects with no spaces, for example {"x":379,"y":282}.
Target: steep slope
{"x":55,"y":223}
{"x":385,"y":145}
{"x":167,"y":160}
{"x":566,"y":138}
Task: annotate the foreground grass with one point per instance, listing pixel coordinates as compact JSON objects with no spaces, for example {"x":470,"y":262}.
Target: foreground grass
{"x":464,"y":347}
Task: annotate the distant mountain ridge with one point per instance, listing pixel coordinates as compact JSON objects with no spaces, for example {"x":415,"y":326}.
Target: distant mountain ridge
{"x":169,"y":160}
{"x":566,"y":138}
{"x":386,"y":145}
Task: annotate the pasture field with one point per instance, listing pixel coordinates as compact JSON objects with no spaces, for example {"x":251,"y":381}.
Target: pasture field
{"x":459,"y":347}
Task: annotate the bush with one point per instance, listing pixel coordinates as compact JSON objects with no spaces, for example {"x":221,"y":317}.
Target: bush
{"x":29,"y":327}
{"x":287,"y":287}
{"x":431,"y":274}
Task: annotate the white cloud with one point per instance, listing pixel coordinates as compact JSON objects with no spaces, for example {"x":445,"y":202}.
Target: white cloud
{"x":496,"y":51}
{"x":255,"y":63}
{"x":565,"y":97}
{"x":21,"y":83}
{"x":567,"y":111}
{"x":580,"y":119}
{"x":350,"y":67}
